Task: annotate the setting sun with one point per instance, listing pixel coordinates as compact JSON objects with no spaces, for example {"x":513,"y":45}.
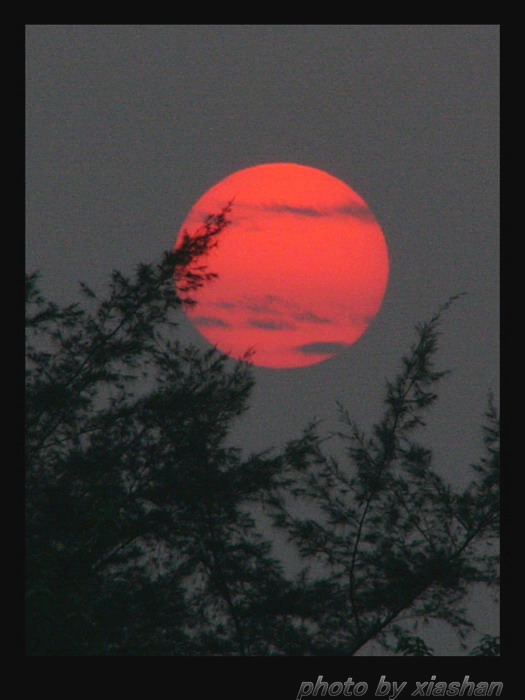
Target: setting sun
{"x":302,"y":267}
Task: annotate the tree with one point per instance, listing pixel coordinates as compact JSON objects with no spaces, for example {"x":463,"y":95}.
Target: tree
{"x":121,"y":424}
{"x":143,"y":533}
{"x":398,"y":545}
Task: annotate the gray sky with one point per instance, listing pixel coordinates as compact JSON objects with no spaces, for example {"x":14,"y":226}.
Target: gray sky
{"x":127,"y":126}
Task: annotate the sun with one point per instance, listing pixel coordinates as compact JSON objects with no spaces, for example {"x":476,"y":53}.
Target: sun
{"x":302,"y":268}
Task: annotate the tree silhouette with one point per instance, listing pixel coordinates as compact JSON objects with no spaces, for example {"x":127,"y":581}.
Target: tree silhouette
{"x":143,"y":528}
{"x":398,"y":546}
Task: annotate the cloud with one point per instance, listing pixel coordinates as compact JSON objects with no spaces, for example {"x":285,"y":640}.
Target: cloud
{"x":267,"y":304}
{"x":269,"y":324}
{"x":359,"y":319}
{"x":274,"y":308}
{"x":358,"y":211}
{"x":209,"y":322}
{"x":352,"y":208}
{"x":309,"y":317}
{"x":261,"y":308}
{"x":322,"y":348}
{"x":288,"y":209}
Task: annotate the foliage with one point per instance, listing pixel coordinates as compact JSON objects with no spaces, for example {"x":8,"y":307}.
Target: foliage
{"x":397,"y":544}
{"x":125,"y":467}
{"x":143,"y":528}
{"x":488,"y":646}
{"x":411,"y":645}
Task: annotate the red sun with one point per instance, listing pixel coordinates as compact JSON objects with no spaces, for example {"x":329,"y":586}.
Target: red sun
{"x":302,"y":267}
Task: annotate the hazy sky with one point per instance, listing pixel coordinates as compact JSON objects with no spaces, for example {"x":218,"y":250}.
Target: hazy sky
{"x":128,"y":125}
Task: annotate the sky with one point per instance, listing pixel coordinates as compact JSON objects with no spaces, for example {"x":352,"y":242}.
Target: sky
{"x":127,"y":126}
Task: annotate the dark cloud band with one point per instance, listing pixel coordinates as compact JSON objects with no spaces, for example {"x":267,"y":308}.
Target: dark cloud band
{"x":351,"y":209}
{"x":270,"y":325}
{"x":322,"y":348}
